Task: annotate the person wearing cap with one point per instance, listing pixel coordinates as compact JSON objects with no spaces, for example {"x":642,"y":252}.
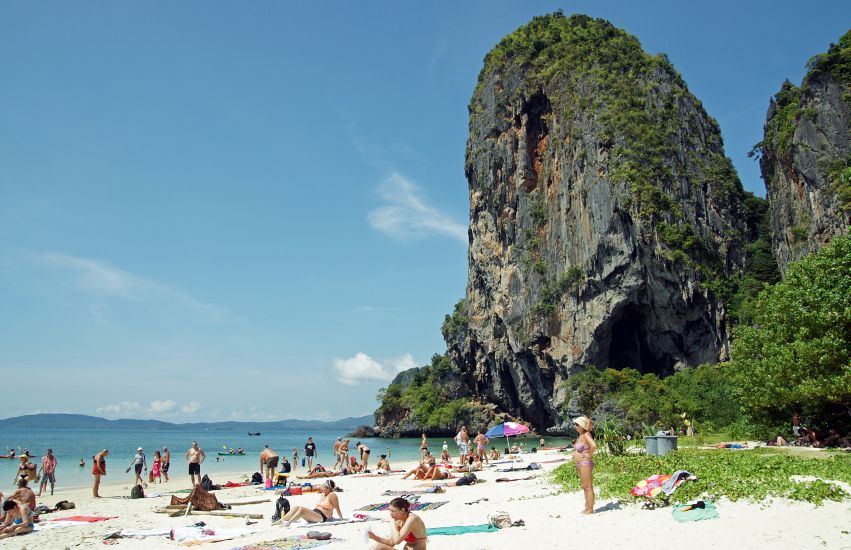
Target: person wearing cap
{"x":583,"y":449}
{"x":138,"y":463}
{"x":27,"y":470}
{"x":324,"y":510}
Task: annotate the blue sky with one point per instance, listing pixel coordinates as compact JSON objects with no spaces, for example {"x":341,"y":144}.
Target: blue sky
{"x":220,"y":210}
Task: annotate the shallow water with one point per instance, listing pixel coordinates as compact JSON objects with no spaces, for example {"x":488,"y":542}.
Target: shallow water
{"x":71,"y":445}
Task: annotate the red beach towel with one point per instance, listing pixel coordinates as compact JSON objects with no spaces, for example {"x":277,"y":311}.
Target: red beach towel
{"x":83,"y":519}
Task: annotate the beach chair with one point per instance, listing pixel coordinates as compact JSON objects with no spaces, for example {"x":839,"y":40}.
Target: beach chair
{"x":280,"y":479}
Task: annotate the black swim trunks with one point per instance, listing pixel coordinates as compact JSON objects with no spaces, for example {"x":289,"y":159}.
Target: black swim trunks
{"x":138,"y":468}
{"x":165,"y":466}
{"x":195,"y":468}
{"x":272,"y":462}
{"x":324,"y":517}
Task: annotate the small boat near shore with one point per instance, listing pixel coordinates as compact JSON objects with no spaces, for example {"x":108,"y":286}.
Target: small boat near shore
{"x":232,"y":454}
{"x":253,"y":433}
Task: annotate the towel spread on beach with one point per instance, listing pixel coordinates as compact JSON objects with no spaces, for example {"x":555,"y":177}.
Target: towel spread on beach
{"x":415,"y":507}
{"x":461,"y":530}
{"x":356,"y":518}
{"x":207,"y":534}
{"x":287,"y":543}
{"x":83,"y":519}
{"x":505,"y":479}
{"x":695,"y":514}
{"x":139,"y":533}
{"x":201,"y":500}
{"x":230,"y":484}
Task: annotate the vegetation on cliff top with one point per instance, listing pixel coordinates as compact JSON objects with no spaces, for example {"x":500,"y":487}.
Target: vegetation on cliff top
{"x":623,"y":87}
{"x":425,"y":401}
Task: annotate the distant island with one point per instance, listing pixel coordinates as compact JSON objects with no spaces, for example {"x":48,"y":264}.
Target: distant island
{"x":82,"y":421}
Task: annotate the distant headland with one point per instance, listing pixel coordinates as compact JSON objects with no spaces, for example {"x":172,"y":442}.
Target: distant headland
{"x":82,"y":421}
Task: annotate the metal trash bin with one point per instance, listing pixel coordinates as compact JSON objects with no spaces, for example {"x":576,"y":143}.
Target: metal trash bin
{"x":665,"y":444}
{"x":651,"y":444}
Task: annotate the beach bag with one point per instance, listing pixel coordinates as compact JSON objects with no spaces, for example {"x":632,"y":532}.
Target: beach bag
{"x":150,"y":477}
{"x":294,"y":489}
{"x":303,"y":461}
{"x":256,"y":478}
{"x":500,"y":520}
{"x":282,"y":508}
{"x":137,"y":492}
{"x":468,"y":479}
{"x":534,"y":466}
{"x":206,"y":483}
{"x":65,"y":505}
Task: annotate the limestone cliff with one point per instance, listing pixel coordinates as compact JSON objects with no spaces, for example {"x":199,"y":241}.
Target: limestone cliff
{"x":806,"y":155}
{"x":604,"y":218}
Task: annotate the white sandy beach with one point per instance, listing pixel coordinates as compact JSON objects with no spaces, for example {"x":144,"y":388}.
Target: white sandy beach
{"x":551,"y":518}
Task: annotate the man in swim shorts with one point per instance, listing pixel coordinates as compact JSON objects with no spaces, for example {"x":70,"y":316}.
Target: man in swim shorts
{"x":195,"y":456}
{"x":166,"y":459}
{"x":310,"y":451}
{"x":269,"y":460}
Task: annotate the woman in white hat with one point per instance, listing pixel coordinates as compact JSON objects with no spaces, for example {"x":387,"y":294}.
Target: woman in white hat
{"x":137,"y":464}
{"x":583,"y":449}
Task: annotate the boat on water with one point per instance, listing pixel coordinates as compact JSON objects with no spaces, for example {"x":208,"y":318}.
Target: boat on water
{"x":232,"y":454}
{"x":253,"y":433}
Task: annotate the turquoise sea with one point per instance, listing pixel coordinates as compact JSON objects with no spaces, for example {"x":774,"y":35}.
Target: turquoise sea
{"x":69,"y":445}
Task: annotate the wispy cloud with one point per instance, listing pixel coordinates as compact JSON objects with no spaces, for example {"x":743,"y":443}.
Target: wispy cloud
{"x":158,"y":407}
{"x":120,"y":409}
{"x":105,"y":280}
{"x":363,"y":368}
{"x":406,"y":215}
{"x":191,"y":408}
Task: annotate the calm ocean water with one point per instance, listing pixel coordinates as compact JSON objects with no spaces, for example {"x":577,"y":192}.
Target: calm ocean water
{"x":71,"y":445}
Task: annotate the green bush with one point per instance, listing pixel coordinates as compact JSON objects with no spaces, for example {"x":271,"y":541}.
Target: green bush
{"x":796,"y":357}
{"x":749,"y":475}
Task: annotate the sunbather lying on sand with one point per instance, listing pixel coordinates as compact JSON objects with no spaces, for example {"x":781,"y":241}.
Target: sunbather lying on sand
{"x":323,"y":512}
{"x":423,"y":468}
{"x":320,"y":471}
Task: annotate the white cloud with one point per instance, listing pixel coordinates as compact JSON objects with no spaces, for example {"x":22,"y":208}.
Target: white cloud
{"x":363,"y":368}
{"x":162,"y":406}
{"x":105,"y":280}
{"x":407,"y":216}
{"x":119,"y":409}
{"x":191,"y":407}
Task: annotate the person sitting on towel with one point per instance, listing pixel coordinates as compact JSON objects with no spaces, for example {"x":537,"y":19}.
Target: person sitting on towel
{"x":324,"y":510}
{"x":494,"y":454}
{"x":444,"y":457}
{"x":18,"y":519}
{"x":382,"y":467}
{"x":407,"y":527}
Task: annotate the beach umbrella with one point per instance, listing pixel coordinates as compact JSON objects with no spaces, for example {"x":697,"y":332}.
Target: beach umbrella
{"x":507,"y":429}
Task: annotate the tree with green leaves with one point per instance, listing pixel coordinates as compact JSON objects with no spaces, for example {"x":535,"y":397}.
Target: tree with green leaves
{"x":797,"y":354}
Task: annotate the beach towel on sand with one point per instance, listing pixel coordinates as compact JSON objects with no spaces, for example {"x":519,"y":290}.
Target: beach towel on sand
{"x":461,"y":530}
{"x":694,"y":514}
{"x":287,"y":543}
{"x":415,"y":507}
{"x":207,"y":534}
{"x":83,"y":519}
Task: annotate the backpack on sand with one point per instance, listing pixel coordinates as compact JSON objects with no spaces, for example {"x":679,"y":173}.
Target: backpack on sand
{"x":137,"y":492}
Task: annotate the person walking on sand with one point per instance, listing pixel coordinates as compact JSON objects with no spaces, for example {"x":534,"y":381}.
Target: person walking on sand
{"x":337,"y":445}
{"x":98,"y":470}
{"x":269,"y":460}
{"x":406,"y":527}
{"x":139,"y":461}
{"x":481,"y":441}
{"x":48,"y":472}
{"x":157,"y":467}
{"x":166,"y":463}
{"x":195,"y":456}
{"x":310,"y":451}
{"x":583,"y":450}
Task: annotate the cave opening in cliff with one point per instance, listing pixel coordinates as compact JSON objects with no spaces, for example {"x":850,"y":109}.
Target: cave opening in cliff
{"x":630,"y":345}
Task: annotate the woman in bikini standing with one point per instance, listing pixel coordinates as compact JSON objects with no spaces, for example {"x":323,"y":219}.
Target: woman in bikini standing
{"x":324,"y":510}
{"x":407,"y":527}
{"x":98,"y":469}
{"x":583,"y":449}
{"x":423,"y":446}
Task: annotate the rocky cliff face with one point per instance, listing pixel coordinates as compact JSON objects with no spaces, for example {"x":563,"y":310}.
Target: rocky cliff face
{"x":604,"y":218}
{"x":806,"y":154}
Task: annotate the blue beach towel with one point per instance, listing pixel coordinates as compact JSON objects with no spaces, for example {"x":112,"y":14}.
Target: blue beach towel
{"x":461,"y":529}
